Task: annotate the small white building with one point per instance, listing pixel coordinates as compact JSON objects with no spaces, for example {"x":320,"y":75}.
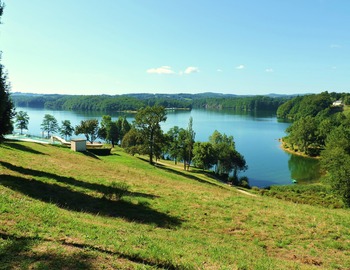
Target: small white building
{"x":78,"y":145}
{"x":337,"y":103}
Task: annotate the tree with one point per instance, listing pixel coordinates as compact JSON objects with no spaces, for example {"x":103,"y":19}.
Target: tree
{"x":303,"y":133}
{"x":203,"y":155}
{"x":227,"y":158}
{"x":133,"y":141}
{"x":238,"y":163}
{"x":89,"y":128}
{"x":108,"y":130}
{"x":104,"y":126}
{"x":49,"y":124}
{"x":123,"y":127}
{"x":66,"y":129}
{"x":335,"y":160}
{"x":147,"y":121}
{"x":190,"y":141}
{"x":6,"y":106}
{"x":174,"y":147}
{"x":22,"y":120}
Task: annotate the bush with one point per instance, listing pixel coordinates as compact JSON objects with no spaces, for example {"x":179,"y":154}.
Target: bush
{"x":241,"y":182}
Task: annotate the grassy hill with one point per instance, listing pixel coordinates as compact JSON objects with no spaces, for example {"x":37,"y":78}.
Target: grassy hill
{"x":65,"y":210}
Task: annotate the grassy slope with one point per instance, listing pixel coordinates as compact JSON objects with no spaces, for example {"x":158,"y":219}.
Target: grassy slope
{"x":53,"y":216}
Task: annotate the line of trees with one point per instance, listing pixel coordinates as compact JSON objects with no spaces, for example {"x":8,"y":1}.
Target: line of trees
{"x":108,"y":130}
{"x":145,"y":136}
{"x":134,"y":102}
{"x":314,"y":118}
{"x":178,"y":144}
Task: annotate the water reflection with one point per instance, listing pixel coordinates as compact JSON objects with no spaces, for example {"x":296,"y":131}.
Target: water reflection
{"x":304,"y":170}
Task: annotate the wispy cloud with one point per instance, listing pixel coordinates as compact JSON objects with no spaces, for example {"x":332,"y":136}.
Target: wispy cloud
{"x":240,"y":67}
{"x":269,"y":70}
{"x":161,"y":70}
{"x":190,"y":70}
{"x":219,"y":70}
{"x":335,"y":46}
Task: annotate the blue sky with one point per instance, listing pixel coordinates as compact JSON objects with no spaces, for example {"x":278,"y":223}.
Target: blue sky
{"x":183,"y":46}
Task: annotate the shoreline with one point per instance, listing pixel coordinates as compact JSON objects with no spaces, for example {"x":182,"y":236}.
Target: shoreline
{"x":292,"y":152}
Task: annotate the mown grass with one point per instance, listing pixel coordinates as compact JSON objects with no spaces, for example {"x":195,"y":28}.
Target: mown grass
{"x":56,"y":214}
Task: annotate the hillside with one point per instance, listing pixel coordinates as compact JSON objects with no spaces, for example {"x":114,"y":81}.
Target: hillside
{"x":60,"y":210}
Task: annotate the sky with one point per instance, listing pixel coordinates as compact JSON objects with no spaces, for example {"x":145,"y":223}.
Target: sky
{"x":114,"y":47}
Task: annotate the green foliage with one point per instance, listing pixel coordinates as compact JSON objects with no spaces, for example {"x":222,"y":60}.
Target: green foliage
{"x":134,"y":102}
{"x":240,"y":182}
{"x":22,"y":120}
{"x":320,"y":195}
{"x":49,"y":124}
{"x":133,"y":142}
{"x":189,"y":138}
{"x":226,"y":158}
{"x":175,"y":143}
{"x":253,"y":103}
{"x":66,"y":129}
{"x":303,"y":133}
{"x":7,"y":111}
{"x":147,"y":121}
{"x":308,"y":105}
{"x":336,"y":161}
{"x":113,"y":131}
{"x":123,"y":127}
{"x":314,"y":119}
{"x":204,"y":155}
{"x":322,"y":128}
{"x":89,"y":128}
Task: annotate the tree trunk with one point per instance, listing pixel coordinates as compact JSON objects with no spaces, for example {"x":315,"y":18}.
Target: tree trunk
{"x":151,"y":150}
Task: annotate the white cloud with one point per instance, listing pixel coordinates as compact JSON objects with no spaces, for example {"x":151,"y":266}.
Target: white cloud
{"x":219,"y":70}
{"x":161,"y":70}
{"x":240,"y":67}
{"x":270,"y":70}
{"x":190,"y":70}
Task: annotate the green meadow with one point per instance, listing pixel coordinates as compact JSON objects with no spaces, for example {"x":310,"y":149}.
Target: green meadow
{"x":65,"y":210}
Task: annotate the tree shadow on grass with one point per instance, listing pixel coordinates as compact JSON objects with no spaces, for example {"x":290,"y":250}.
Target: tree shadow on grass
{"x":68,"y":199}
{"x":15,"y":145}
{"x":13,"y":253}
{"x":187,"y":175}
{"x":71,"y":181}
{"x":90,"y":154}
{"x":16,"y":253}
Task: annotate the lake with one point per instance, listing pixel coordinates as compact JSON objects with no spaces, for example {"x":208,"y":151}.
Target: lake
{"x":256,"y":136}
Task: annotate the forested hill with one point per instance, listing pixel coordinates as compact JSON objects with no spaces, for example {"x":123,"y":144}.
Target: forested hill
{"x":133,"y":102}
{"x":312,"y":105}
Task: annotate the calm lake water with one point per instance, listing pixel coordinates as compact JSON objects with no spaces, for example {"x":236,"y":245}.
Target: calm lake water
{"x":256,"y":136}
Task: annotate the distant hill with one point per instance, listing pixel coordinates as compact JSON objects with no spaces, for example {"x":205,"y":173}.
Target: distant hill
{"x":133,"y":102}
